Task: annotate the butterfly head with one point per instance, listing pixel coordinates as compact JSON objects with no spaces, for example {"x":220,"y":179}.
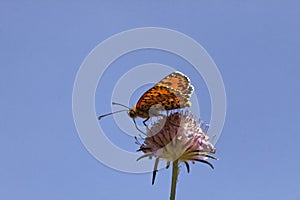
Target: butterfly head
{"x":132,"y":112}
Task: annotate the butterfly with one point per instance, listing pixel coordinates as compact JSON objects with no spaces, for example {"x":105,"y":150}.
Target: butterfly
{"x":172,"y":92}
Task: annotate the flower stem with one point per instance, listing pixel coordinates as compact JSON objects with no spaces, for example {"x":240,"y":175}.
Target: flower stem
{"x":175,"y":173}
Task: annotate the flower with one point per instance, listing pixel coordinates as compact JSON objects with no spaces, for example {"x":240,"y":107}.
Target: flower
{"x":177,"y":137}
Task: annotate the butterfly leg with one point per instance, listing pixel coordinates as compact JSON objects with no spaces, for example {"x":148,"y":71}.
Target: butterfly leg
{"x":138,"y":127}
{"x":144,"y":122}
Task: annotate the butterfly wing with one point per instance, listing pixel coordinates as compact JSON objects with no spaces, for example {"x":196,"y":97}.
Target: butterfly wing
{"x":177,"y":81}
{"x":164,"y":96}
{"x":172,"y":92}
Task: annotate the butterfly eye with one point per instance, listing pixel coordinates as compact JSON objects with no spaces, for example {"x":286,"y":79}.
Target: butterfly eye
{"x":132,"y":113}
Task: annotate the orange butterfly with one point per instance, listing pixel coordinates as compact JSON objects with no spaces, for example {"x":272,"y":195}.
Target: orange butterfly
{"x":172,"y":92}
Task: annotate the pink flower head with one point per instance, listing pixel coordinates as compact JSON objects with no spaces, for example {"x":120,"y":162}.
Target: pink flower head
{"x":177,"y":137}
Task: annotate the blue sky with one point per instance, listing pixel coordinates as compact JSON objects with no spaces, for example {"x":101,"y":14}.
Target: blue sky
{"x":255,"y":45}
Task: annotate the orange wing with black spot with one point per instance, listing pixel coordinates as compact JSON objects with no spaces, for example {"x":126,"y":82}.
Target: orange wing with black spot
{"x":172,"y":92}
{"x":167,"y":97}
{"x":178,"y":81}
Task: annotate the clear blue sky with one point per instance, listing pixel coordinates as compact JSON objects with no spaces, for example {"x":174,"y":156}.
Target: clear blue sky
{"x":255,"y":45}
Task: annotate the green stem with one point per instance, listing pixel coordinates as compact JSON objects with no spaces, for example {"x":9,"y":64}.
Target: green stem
{"x":175,"y":173}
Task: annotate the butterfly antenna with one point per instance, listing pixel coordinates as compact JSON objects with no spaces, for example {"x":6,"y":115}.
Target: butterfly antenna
{"x":114,"y":103}
{"x":101,"y":116}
